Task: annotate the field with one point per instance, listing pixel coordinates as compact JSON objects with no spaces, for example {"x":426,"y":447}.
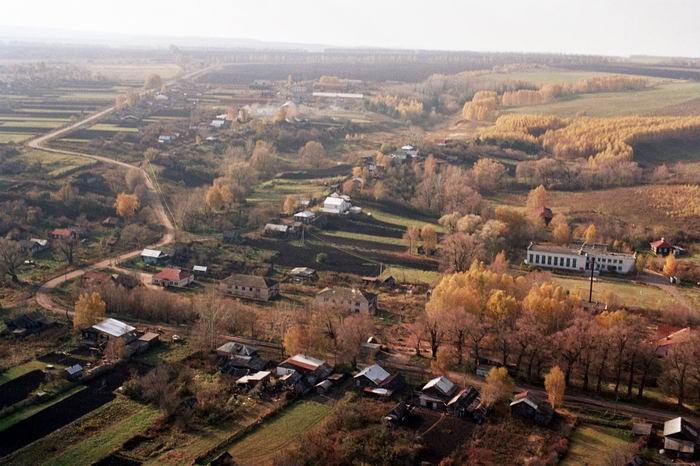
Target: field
{"x":261,"y":444}
{"x":593,"y":445}
{"x":35,"y":112}
{"x":628,"y":294}
{"x":56,"y":165}
{"x":651,"y":101}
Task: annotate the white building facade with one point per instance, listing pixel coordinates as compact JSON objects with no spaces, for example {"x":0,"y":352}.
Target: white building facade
{"x":578,"y":257}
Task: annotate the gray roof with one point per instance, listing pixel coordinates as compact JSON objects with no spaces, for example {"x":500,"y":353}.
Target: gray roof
{"x":113,"y":327}
{"x":155,"y":253}
{"x":252,"y":281}
{"x":375,"y":373}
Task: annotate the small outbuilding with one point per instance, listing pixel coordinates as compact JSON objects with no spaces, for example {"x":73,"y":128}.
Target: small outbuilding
{"x":153,"y":256}
{"x":528,"y":406}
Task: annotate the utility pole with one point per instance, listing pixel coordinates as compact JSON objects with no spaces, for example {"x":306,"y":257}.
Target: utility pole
{"x":302,"y":235}
{"x":592,"y":266}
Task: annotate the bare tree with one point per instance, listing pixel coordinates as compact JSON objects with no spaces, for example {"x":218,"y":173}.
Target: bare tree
{"x":11,"y":258}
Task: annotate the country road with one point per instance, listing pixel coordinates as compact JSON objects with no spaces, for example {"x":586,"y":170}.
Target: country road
{"x":44,"y":295}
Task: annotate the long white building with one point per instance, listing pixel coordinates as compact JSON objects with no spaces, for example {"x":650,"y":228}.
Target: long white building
{"x":578,"y":256}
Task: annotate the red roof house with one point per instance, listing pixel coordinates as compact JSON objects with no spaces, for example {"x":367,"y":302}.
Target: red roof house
{"x":177,"y":278}
{"x":661,"y":247}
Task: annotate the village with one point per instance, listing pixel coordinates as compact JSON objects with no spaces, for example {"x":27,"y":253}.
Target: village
{"x":222,"y":264}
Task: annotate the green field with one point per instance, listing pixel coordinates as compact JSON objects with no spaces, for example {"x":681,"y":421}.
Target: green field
{"x":363,"y":237}
{"x":57,"y":165}
{"x":610,"y":104}
{"x":408,"y":275}
{"x":593,"y":445}
{"x":19,"y":371}
{"x":399,"y":220}
{"x":276,"y":190}
{"x":628,"y":293}
{"x":278,"y":432}
{"x":22,"y":414}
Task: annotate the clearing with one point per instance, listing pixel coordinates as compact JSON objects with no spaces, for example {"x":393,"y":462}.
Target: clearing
{"x":593,"y":445}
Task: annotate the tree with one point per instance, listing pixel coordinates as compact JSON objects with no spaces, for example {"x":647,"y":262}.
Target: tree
{"x":89,"y":309}
{"x":215,"y":198}
{"x":150,"y":154}
{"x":297,"y":340}
{"x":215,"y":316}
{"x":411,"y":237}
{"x":670,"y":265}
{"x":263,"y":158}
{"x":556,"y":386}
{"x":489,"y":175}
{"x":67,"y":247}
{"x":429,"y":238}
{"x":498,"y":387}
{"x":458,"y":251}
{"x":312,"y":154}
{"x":561,"y":232}
{"x":537,"y":199}
{"x":353,"y":331}
{"x":289,"y":206}
{"x":678,"y":365}
{"x":591,"y":234}
{"x":114,"y":351}
{"x":11,"y":258}
{"x":126,"y":205}
{"x":153,"y":81}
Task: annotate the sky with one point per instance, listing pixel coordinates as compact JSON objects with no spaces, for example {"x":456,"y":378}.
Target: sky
{"x":600,"y":27}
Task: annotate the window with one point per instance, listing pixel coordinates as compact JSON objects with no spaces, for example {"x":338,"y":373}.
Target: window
{"x":530,"y":259}
{"x":568,"y":261}
{"x":556,"y":260}
{"x":537,"y":259}
{"x":573,"y":263}
{"x":549,"y":260}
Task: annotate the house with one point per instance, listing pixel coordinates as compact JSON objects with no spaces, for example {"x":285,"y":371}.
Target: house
{"x":661,"y":247}
{"x":172,"y":277}
{"x":109,"y":329}
{"x":467,"y":404}
{"x":238,"y":356}
{"x":680,"y":437}
{"x":436,"y":393}
{"x":410,"y":150}
{"x":250,"y":287}
{"x":64,"y":234}
{"x":305,"y":217}
{"x":153,"y":256}
{"x":376,"y":380}
{"x":150,"y":339}
{"x":276,"y":230}
{"x":303,"y":274}
{"x":324,"y":387}
{"x":336,"y":206}
{"x":250,"y":381}
{"x":672,"y":338}
{"x":74,"y":371}
{"x":349,"y":299}
{"x":96,"y":277}
{"x":528,"y":406}
{"x":388,"y":282}
{"x":311,"y":369}
{"x":578,"y":256}
{"x":27,"y":324}
{"x":398,"y":414}
{"x":168,"y":137}
{"x":34,"y":245}
{"x":219,"y":124}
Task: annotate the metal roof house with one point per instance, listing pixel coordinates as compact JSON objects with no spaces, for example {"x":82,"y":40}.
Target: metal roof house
{"x":680,"y":437}
{"x":376,"y":380}
{"x":437,"y":392}
{"x":109,"y":329}
{"x":153,"y":256}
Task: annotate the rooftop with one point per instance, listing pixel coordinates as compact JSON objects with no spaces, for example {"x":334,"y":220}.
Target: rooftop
{"x":252,"y":281}
{"x":575,"y":248}
{"x":345,"y":293}
{"x":113,"y":327}
{"x":443,"y":384}
{"x":171,"y":274}
{"x":304,"y":362}
{"x":375,"y":373}
{"x":151,"y":253}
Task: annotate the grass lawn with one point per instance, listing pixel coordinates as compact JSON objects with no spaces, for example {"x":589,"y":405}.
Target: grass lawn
{"x":409,"y":275}
{"x":363,"y":237}
{"x":628,"y":293}
{"x":105,"y":441}
{"x":276,"y":190}
{"x":692,"y":295}
{"x":383,"y":216}
{"x":7,"y":138}
{"x":592,"y":445}
{"x":19,"y":371}
{"x":31,"y":410}
{"x":273,"y":435}
{"x":55,"y":164}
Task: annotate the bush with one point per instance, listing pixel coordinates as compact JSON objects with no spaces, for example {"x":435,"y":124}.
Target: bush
{"x":321,"y":258}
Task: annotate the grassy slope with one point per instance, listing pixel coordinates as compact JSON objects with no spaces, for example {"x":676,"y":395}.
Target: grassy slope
{"x":31,"y":410}
{"x":274,"y":434}
{"x":630,"y":294}
{"x":592,"y":445}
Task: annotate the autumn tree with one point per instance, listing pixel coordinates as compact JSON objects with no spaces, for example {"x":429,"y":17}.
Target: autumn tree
{"x":114,"y":351}
{"x":670,"y":265}
{"x":297,"y":340}
{"x":312,"y":154}
{"x":537,"y":199}
{"x":411,"y":236}
{"x":458,"y":251}
{"x":678,"y":367}
{"x":429,"y":239}
{"x":497,"y":388}
{"x":591,"y":234}
{"x":555,"y":386}
{"x":89,"y":309}
{"x":289,"y":206}
{"x":126,"y":205}
{"x":11,"y":258}
{"x":263,"y":159}
{"x":352,"y":333}
{"x":153,"y":81}
{"x":561,"y":232}
{"x":150,"y":154}
{"x":489,"y":175}
{"x":67,"y":247}
{"x":214,"y":317}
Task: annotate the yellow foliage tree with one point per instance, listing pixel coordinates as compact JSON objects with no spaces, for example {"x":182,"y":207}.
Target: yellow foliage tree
{"x":591,"y":234}
{"x":555,"y":385}
{"x":126,"y":205}
{"x":498,"y":387}
{"x":89,"y":309}
{"x":670,"y":266}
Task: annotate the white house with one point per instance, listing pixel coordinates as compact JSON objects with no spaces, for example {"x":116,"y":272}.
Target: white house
{"x":578,"y":256}
{"x":336,"y":206}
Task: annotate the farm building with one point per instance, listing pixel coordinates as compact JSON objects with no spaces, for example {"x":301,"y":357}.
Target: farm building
{"x":239,"y":356}
{"x":578,"y":256}
{"x":350,"y":299}
{"x":168,"y":137}
{"x":250,"y":381}
{"x":74,"y":371}
{"x":64,"y":233}
{"x":398,"y":414}
{"x":109,"y":329}
{"x":336,"y":206}
{"x":528,"y":406}
{"x":671,"y":339}
{"x":200,"y":270}
{"x":305,"y":216}
{"x":153,"y":256}
{"x":661,"y":247}
{"x":388,"y":282}
{"x":376,"y":380}
{"x":680,"y":437}
{"x":34,"y":245}
{"x":281,"y":230}
{"x":467,"y":404}
{"x":219,"y":124}
{"x":303,"y":274}
{"x":171,"y":277}
{"x":27,"y":324}
{"x":312,"y":369}
{"x":436,"y":393}
{"x":250,"y":287}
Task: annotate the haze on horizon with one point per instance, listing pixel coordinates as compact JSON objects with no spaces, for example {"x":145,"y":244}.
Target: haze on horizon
{"x":598,"y":27}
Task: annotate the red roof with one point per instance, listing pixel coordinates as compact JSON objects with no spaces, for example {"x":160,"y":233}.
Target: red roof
{"x":64,"y":232}
{"x":173,"y":275}
{"x":661,"y":243}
